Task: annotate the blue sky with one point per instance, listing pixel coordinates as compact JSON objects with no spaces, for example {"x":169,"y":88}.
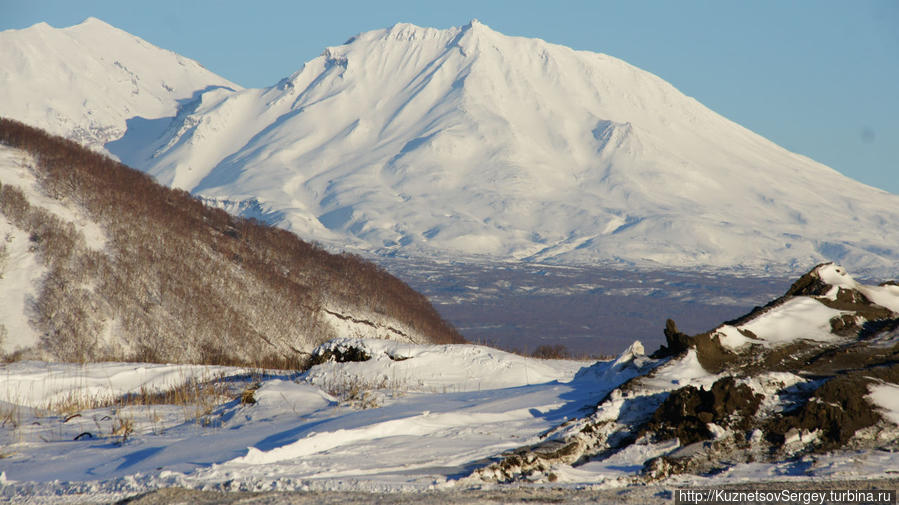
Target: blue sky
{"x":817,"y":77}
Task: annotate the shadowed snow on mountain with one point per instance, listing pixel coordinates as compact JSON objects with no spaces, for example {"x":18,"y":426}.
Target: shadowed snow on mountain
{"x":86,"y":81}
{"x":461,"y":142}
{"x":468,"y":142}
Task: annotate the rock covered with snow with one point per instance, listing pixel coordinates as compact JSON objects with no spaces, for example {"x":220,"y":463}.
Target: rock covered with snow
{"x":806,"y":376}
{"x":824,"y":305}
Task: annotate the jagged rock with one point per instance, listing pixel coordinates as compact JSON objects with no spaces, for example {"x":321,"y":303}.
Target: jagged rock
{"x":688,"y":411}
{"x":810,"y":284}
{"x":836,"y":410}
{"x":339,"y":354}
{"x":677,"y":341}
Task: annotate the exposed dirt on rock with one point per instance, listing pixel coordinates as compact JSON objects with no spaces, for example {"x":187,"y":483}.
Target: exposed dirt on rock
{"x":836,"y":410}
{"x":688,"y":411}
{"x":343,"y":354}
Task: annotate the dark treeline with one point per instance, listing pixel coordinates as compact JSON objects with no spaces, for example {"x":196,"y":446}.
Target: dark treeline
{"x":184,"y":282}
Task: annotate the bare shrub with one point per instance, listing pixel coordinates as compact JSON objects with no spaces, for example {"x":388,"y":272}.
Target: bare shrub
{"x":359,"y":392}
{"x":551,"y":351}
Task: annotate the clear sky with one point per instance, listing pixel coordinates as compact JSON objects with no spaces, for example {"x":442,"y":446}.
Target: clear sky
{"x":819,"y":77}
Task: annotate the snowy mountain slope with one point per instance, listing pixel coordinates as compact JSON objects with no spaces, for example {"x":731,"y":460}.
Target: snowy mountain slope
{"x":467,"y":142}
{"x":86,"y":81}
{"x":99,"y":262}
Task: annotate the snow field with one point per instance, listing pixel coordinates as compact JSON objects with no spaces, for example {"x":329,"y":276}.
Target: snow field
{"x":555,"y":155}
{"x":415,"y":434}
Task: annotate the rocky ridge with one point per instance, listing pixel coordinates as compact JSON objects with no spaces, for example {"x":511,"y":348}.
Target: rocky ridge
{"x":810,"y":373}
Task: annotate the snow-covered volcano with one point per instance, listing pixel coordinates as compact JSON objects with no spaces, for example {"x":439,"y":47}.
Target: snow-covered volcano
{"x":469,"y":142}
{"x":465,"y":142}
{"x":86,"y":81}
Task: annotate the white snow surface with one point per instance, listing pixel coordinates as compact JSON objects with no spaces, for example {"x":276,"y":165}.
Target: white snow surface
{"x":466,"y":142}
{"x":21,"y":272}
{"x":799,"y":318}
{"x":886,"y":397}
{"x":87,"y":81}
{"x":805,"y":317}
{"x":38,"y":384}
{"x":461,"y":142}
{"x":837,"y":276}
{"x":434,"y":413}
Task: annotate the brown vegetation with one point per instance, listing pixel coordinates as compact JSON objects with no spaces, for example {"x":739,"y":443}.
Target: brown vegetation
{"x":184,"y":282}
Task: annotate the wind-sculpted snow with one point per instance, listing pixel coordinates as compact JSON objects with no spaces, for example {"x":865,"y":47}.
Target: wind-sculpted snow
{"x":436,"y":411}
{"x":466,"y":142}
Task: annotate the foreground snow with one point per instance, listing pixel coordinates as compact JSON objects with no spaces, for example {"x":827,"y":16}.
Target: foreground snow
{"x":430,"y":417}
{"x":411,"y":418}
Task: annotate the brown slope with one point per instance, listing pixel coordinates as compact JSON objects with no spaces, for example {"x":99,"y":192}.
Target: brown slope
{"x":183,"y":282}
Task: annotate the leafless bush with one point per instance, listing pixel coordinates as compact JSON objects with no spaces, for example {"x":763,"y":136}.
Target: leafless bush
{"x":359,"y":392}
{"x":551,"y":351}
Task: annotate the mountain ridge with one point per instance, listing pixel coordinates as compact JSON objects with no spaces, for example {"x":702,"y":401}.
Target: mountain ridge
{"x":510,"y":197}
{"x":85,"y":81}
{"x":466,"y":143}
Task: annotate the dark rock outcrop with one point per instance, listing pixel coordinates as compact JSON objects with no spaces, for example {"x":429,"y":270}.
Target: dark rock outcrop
{"x":688,"y":411}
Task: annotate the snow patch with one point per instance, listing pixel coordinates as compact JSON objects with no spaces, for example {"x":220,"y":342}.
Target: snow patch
{"x":17,"y":168}
{"x":886,"y":398}
{"x":798,"y":318}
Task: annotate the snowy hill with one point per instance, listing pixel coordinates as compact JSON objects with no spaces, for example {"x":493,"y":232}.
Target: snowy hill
{"x":802,"y":391}
{"x":99,"y":262}
{"x":86,"y":81}
{"x":466,"y":142}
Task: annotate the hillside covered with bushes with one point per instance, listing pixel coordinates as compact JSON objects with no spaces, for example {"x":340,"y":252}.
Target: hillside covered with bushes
{"x":99,"y":262}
